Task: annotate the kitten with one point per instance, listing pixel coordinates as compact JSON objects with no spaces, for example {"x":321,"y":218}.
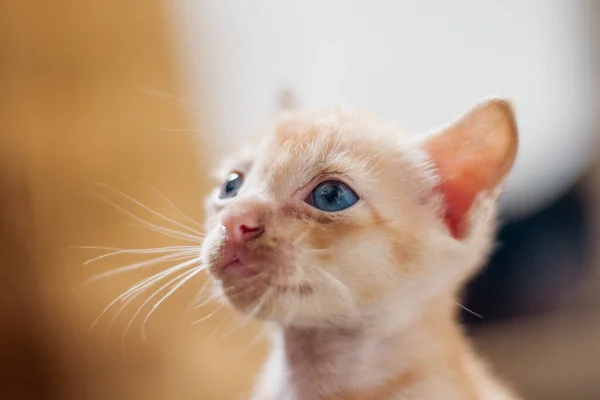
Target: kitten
{"x":355,"y":241}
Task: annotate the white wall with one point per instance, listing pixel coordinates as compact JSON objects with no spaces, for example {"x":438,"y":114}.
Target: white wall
{"x":420,"y":63}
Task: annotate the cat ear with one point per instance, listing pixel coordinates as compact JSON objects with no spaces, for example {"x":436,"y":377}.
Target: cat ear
{"x":286,"y":101}
{"x":472,"y":156}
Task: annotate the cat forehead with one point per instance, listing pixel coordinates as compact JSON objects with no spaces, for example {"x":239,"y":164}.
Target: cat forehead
{"x":301,"y":146}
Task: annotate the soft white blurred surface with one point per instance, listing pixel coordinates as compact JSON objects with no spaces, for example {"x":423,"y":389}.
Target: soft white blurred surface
{"x":418,"y":63}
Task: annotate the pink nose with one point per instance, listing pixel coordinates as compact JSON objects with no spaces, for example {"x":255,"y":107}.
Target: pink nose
{"x":242,"y":223}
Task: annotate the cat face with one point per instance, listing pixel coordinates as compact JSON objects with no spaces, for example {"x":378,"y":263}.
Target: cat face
{"x":333,"y":214}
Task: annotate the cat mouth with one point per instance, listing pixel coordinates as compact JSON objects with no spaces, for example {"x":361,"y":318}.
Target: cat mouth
{"x":238,"y":269}
{"x":235,"y":272}
{"x":235,"y":264}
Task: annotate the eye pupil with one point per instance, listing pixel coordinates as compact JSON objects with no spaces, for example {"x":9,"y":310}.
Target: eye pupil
{"x":232,"y":185}
{"x":330,"y":193}
{"x":333,"y":196}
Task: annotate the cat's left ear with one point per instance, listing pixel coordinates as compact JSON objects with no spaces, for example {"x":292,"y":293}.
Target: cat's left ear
{"x":472,"y":156}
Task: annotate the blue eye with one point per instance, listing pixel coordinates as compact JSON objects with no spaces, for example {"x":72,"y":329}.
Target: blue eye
{"x":232,"y":185}
{"x":332,"y":196}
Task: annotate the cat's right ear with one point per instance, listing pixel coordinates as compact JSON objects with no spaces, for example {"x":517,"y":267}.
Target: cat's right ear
{"x":472,"y":156}
{"x":286,"y":101}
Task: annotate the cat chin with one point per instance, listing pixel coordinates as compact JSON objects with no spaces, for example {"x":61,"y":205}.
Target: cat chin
{"x":286,"y":306}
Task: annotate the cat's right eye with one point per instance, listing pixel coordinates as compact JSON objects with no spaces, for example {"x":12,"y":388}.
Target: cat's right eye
{"x":332,"y":196}
{"x":232,"y":185}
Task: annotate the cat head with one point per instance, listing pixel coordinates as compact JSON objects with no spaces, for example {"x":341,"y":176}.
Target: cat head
{"x":334,"y":214}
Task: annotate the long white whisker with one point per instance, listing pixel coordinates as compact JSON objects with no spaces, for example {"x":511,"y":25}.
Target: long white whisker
{"x":231,"y":329}
{"x":156,"y":292}
{"x":200,"y":293}
{"x":122,"y":296}
{"x":209,"y":315}
{"x":204,"y":302}
{"x":468,"y":310}
{"x":98,"y":248}
{"x":150,"y":210}
{"x":141,"y":264}
{"x":193,"y":273}
{"x":146,"y":223}
{"x":138,"y":287}
{"x":217,"y":328}
{"x":266,"y":296}
{"x":116,"y":251}
{"x":145,"y":284}
{"x":169,"y":202}
{"x":169,"y":232}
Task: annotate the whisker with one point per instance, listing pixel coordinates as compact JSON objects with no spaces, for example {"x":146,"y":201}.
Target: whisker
{"x":138,"y":287}
{"x":156,"y":292}
{"x":216,"y":329}
{"x":169,"y":232}
{"x":169,"y":202}
{"x":234,"y":293}
{"x":193,"y":273}
{"x":205,"y":301}
{"x":141,"y":264}
{"x":266,"y":296}
{"x":150,"y":210}
{"x":468,"y":310}
{"x":209,"y":315}
{"x":192,"y":304}
{"x":146,"y":223}
{"x":231,"y":329}
{"x":118,"y":251}
{"x":97,"y":248}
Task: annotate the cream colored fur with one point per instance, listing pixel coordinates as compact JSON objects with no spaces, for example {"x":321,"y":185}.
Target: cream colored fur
{"x":377,"y":318}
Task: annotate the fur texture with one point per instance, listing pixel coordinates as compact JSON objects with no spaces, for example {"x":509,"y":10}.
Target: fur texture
{"x":363,"y":300}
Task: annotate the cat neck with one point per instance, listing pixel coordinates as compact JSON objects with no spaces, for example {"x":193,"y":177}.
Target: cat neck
{"x":361,"y":361}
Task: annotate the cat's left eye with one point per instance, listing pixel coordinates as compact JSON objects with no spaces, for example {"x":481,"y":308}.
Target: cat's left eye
{"x":232,"y":185}
{"x":331,"y":196}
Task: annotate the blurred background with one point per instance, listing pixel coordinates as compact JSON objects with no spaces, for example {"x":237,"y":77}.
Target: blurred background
{"x":112,"y":112}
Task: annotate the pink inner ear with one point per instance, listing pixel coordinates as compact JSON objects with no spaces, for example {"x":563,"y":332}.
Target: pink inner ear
{"x":473,"y":156}
{"x":457,"y":206}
